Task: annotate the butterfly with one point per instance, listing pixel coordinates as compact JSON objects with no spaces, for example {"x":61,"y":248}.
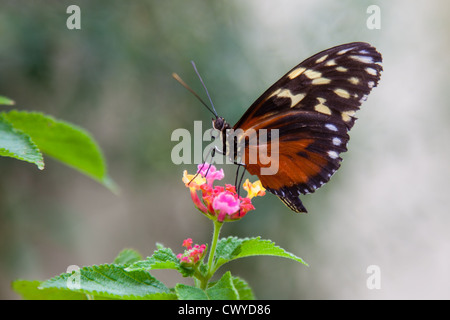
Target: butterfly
{"x":312,"y":107}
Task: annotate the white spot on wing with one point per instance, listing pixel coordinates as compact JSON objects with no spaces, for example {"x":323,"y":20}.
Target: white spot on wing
{"x":331,"y":127}
{"x":342,"y":93}
{"x":371,"y":71}
{"x":363,"y":59}
{"x":321,"y":81}
{"x":341,"y":69}
{"x":347,"y":115}
{"x":296,"y":72}
{"x":337,"y":141}
{"x":344,"y":51}
{"x":354,"y":80}
{"x":322,"y":59}
{"x":312,"y":74}
{"x":286,"y":93}
{"x":322,"y":109}
{"x":333,"y":154}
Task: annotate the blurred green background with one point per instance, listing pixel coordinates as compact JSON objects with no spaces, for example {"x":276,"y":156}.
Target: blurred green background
{"x":386,"y":206}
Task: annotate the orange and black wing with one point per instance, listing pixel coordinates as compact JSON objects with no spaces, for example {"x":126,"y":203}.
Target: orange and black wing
{"x":313,"y":107}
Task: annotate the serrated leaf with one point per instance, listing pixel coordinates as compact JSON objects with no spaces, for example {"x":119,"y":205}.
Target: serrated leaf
{"x":163,"y":258}
{"x":127,"y":257}
{"x":151,"y":264}
{"x":29,"y":290}
{"x":243,"y":289}
{"x":63,"y":141}
{"x":234,"y":248}
{"x":111,"y":281}
{"x":18,"y":145}
{"x":223,"y":289}
{"x":185,"y":292}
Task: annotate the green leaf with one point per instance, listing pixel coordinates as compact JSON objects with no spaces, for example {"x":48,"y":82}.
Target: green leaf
{"x":29,"y":290}
{"x":185,"y":292}
{"x":63,"y":141}
{"x":244,"y":290}
{"x":6,"y":101}
{"x":18,"y":145}
{"x":223,"y":289}
{"x":111,"y":281}
{"x":163,"y":258}
{"x":127,"y":257}
{"x":232,"y":248}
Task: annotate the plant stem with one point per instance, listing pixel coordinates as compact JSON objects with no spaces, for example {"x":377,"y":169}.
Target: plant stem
{"x":212,"y":252}
{"x":217,"y":227}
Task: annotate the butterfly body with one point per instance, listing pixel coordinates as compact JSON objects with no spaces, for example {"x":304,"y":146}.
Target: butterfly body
{"x":312,"y":107}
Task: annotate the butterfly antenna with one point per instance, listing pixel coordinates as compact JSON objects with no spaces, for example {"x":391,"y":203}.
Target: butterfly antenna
{"x":177,"y":77}
{"x":207,"y":93}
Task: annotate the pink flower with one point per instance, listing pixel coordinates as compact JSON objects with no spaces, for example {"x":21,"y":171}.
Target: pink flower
{"x":226,"y":203}
{"x":210,"y":172}
{"x":217,"y":202}
{"x":187,"y":243}
{"x":192,"y":255}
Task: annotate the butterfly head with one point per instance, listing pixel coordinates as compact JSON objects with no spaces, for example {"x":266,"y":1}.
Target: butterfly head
{"x":220,"y":124}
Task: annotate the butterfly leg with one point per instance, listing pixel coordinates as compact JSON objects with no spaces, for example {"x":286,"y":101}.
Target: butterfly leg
{"x":238,"y":185}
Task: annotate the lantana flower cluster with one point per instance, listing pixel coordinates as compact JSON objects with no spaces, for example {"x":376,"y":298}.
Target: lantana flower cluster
{"x":192,"y":254}
{"x":217,"y":202}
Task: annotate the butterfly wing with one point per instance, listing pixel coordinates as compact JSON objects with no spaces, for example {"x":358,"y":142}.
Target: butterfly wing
{"x":313,"y":107}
